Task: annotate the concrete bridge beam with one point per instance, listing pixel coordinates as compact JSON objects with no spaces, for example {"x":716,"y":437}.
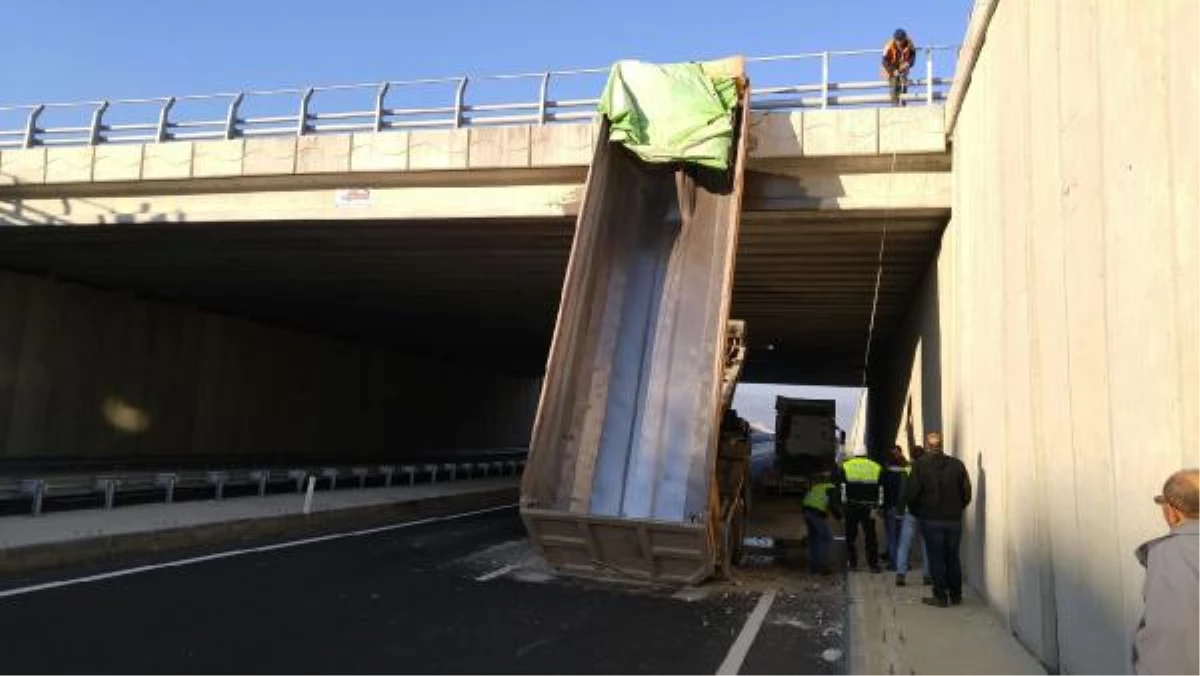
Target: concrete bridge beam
{"x":790,"y":136}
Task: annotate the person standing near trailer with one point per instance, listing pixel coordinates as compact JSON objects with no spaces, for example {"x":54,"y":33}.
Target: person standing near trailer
{"x":892,"y":482}
{"x":937,"y":493}
{"x":859,"y":478}
{"x":821,"y":502}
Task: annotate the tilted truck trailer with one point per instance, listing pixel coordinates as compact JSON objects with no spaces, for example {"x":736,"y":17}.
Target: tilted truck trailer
{"x":627,"y":473}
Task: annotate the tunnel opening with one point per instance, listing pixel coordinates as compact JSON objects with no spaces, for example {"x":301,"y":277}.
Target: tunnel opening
{"x":368,"y":339}
{"x":237,"y":343}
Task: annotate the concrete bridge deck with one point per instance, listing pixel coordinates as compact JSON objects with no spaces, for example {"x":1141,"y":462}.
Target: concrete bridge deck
{"x":465,"y":232}
{"x":774,"y":135}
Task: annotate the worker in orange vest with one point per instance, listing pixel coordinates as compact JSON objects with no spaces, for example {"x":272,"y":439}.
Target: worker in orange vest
{"x":898,"y":56}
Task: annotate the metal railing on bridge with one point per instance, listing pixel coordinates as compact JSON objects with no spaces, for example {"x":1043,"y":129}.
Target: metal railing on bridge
{"x":798,"y":81}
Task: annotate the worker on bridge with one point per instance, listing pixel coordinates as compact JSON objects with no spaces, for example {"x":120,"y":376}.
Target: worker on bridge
{"x":898,"y":56}
{"x":820,"y":502}
{"x":859,"y":478}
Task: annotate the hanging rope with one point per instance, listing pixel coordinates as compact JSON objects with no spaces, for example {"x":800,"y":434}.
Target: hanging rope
{"x":878,"y":274}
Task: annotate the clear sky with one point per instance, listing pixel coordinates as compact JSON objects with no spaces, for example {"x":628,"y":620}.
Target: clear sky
{"x":84,"y":49}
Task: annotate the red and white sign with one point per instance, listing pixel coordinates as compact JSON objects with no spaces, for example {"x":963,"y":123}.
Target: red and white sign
{"x":353,"y":198}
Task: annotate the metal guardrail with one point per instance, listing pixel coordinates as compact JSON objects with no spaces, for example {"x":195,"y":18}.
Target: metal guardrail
{"x":158,"y":120}
{"x":36,"y":489}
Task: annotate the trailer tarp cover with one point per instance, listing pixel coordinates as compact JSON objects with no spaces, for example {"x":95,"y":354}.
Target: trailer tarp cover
{"x":675,"y":112}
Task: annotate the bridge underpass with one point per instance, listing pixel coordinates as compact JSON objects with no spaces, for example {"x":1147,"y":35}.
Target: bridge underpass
{"x":485,"y":292}
{"x":371,"y":288}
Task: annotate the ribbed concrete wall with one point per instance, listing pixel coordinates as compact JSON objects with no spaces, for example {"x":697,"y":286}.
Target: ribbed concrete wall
{"x":89,"y":373}
{"x":1055,"y":339}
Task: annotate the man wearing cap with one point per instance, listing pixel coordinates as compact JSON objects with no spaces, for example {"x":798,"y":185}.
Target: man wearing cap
{"x":898,"y":56}
{"x":1165,"y":641}
{"x":859,"y":479}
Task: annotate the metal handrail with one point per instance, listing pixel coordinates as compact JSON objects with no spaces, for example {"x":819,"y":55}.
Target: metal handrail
{"x":168,"y":125}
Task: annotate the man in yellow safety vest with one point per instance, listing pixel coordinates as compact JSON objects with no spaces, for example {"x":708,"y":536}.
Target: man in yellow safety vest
{"x":820,"y":502}
{"x":859,"y":479}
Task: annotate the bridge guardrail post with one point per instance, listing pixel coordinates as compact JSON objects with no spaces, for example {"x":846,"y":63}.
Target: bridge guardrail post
{"x":545,"y":90}
{"x":302,"y":114}
{"x":231,"y":116}
{"x":164,"y":120}
{"x":31,"y":128}
{"x":459,"y":98}
{"x":824,"y":80}
{"x":379,"y":96}
{"x":97,"y":123}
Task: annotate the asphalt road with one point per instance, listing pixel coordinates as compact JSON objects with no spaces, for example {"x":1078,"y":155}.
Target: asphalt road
{"x":456,"y":596}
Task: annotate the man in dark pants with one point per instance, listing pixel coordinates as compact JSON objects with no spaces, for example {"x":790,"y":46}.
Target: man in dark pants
{"x":937,"y":492}
{"x":859,"y":478}
{"x":821,"y":502}
{"x":895,"y":472}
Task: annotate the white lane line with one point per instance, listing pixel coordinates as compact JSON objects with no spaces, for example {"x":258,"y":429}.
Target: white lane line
{"x":496,"y":573}
{"x":741,"y":647}
{"x":19,"y":591}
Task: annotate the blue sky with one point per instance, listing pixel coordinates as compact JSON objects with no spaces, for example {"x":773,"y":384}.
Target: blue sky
{"x":81,"y":49}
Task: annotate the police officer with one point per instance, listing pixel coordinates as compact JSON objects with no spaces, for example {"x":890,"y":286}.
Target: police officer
{"x":820,"y":502}
{"x":859,"y":479}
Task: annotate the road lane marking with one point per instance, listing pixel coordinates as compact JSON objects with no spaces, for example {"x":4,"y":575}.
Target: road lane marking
{"x":530,"y":646}
{"x":19,"y":591}
{"x":741,"y":646}
{"x":496,"y":573}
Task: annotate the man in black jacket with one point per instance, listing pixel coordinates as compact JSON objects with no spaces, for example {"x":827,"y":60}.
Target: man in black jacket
{"x":937,"y":492}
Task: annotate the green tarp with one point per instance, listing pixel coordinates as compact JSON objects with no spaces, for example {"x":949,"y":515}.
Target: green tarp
{"x":671,"y":112}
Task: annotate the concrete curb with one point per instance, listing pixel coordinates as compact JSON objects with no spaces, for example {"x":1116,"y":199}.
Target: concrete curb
{"x":21,"y":560}
{"x":874,"y":643}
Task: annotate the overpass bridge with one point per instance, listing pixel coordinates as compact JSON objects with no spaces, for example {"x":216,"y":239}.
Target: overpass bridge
{"x":1038,"y":303}
{"x":369,"y":224}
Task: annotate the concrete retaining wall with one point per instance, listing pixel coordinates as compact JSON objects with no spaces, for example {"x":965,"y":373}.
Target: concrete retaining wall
{"x":1055,"y":339}
{"x":89,"y":373}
